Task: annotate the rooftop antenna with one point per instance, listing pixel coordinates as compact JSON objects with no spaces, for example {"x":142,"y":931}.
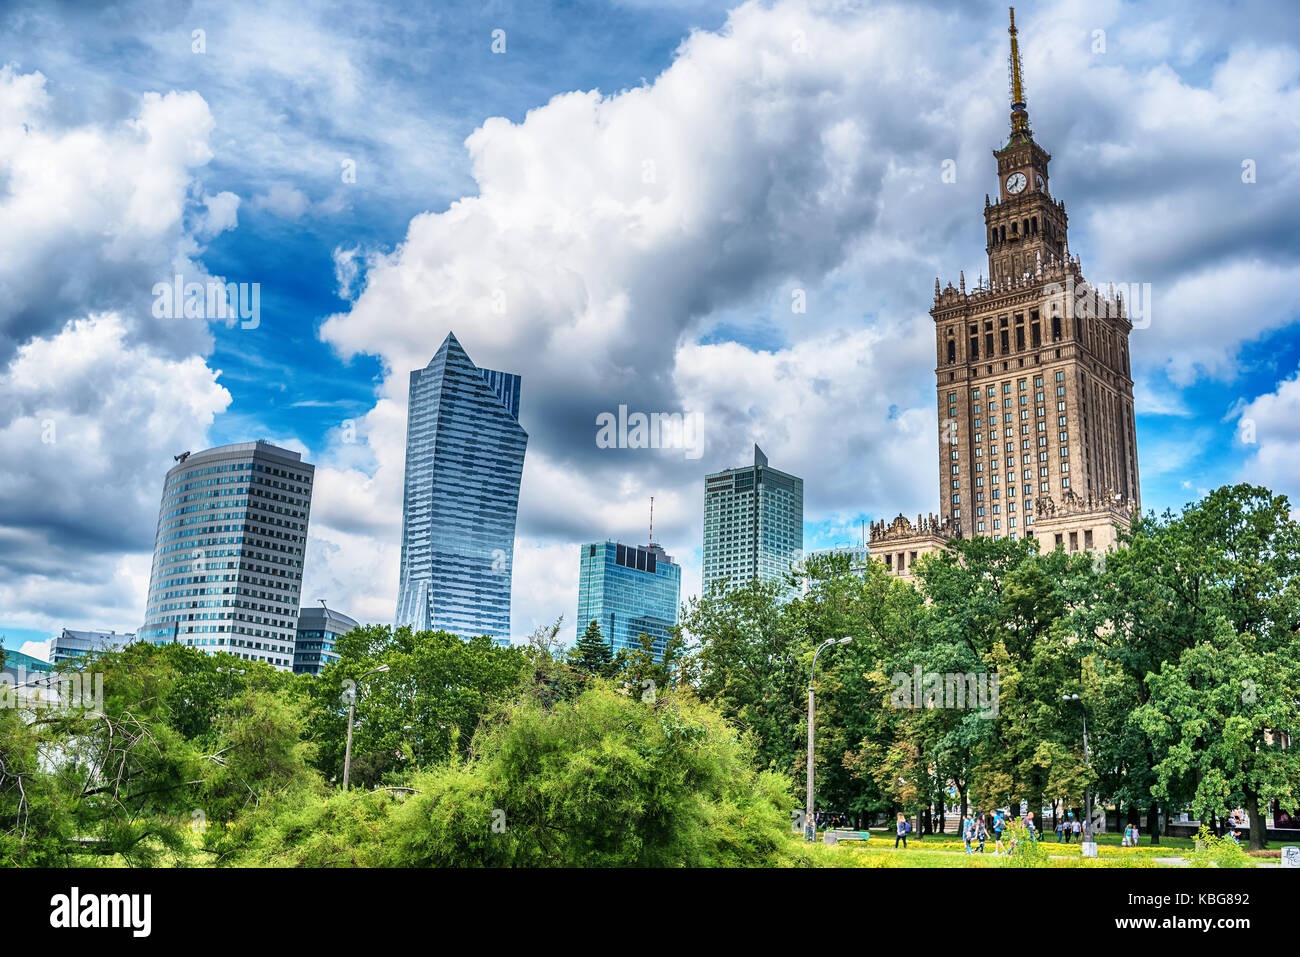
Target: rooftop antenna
{"x":652,"y":519}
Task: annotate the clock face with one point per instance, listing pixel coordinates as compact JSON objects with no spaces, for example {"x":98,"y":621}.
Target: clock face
{"x":1016,"y":182}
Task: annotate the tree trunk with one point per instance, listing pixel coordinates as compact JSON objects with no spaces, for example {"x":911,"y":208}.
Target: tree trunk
{"x":965,"y":797}
{"x":1258,"y":830}
{"x":1153,"y":822}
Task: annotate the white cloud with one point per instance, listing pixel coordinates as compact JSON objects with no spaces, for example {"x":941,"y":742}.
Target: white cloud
{"x":287,"y":202}
{"x":91,"y":424}
{"x":221,"y":212}
{"x":1271,"y":422}
{"x":37,"y":649}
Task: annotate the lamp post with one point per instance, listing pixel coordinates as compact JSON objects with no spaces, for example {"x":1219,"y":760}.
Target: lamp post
{"x":352,"y":707}
{"x":1089,"y":842}
{"x":810,"y":821}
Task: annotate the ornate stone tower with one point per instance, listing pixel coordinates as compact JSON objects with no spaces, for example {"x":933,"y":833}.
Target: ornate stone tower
{"x":1035,"y":398}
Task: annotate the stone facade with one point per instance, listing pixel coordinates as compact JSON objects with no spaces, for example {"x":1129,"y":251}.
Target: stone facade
{"x":1033,"y":386}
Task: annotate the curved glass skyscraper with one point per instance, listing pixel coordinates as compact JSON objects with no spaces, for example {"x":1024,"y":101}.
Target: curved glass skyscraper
{"x":227,"y":559}
{"x":464,"y":459}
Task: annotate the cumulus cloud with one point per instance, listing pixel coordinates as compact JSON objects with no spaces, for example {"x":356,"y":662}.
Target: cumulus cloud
{"x":287,"y":202}
{"x":92,"y":217}
{"x":96,"y":393}
{"x":1268,"y":433}
{"x":90,"y":424}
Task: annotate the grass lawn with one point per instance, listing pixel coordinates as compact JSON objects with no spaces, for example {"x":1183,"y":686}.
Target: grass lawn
{"x":946,"y":850}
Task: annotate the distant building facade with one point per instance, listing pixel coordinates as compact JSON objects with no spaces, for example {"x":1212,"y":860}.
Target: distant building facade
{"x":20,"y":666}
{"x":74,"y":644}
{"x":228,"y":555}
{"x":464,"y":460}
{"x":318,"y":629}
{"x":753,"y":523}
{"x":629,"y":590}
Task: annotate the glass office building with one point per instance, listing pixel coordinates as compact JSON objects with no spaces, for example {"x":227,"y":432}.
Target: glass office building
{"x":75,"y":644}
{"x":464,"y":459}
{"x":228,"y":556}
{"x":753,"y":523}
{"x":318,"y":629}
{"x":628,"y":590}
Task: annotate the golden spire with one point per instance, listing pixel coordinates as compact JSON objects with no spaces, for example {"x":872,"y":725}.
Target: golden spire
{"x":1019,"y":115}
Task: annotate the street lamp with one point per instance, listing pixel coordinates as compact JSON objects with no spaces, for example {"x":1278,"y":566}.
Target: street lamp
{"x":810,"y":822}
{"x":228,"y":672}
{"x":1087,"y":788}
{"x":352,"y":707}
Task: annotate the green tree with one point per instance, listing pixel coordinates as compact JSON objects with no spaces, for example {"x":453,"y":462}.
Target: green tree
{"x":1215,"y":715}
{"x":423,"y":710}
{"x":591,"y":653}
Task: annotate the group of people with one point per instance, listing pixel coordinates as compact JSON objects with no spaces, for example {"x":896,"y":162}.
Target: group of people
{"x":1068,"y":829}
{"x":975,"y":830}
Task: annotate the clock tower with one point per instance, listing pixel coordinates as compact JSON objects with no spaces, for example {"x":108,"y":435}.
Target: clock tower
{"x":1037,"y":437}
{"x":1025,"y":226}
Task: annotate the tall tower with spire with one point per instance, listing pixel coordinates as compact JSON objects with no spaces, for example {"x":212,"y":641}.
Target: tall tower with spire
{"x":1035,"y":396}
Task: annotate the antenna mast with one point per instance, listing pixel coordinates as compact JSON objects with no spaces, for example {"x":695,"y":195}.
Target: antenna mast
{"x":652,"y":519}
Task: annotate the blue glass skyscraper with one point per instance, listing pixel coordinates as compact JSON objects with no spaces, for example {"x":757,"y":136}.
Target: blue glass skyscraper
{"x":464,"y":458}
{"x":629,"y":591}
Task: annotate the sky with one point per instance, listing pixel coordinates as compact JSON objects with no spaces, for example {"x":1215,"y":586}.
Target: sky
{"x":732,"y":211}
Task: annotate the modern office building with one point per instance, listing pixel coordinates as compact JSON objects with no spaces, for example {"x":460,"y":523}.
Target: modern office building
{"x":19,"y":666}
{"x":318,"y":629}
{"x":464,"y":459}
{"x":74,"y":644}
{"x":628,"y":590}
{"x":753,"y":523}
{"x":228,"y":556}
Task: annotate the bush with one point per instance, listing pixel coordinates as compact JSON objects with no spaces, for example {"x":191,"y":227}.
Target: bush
{"x":601,"y":780}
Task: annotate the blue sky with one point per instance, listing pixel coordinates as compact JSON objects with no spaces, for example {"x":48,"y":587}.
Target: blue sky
{"x":646,"y":185}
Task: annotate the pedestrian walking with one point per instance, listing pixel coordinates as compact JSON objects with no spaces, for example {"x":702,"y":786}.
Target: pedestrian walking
{"x":1078,"y":829}
{"x":902,"y":827}
{"x":981,"y":832}
{"x":999,"y":824}
{"x":968,"y":830}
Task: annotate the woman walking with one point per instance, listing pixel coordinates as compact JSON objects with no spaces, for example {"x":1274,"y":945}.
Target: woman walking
{"x":902,"y":827}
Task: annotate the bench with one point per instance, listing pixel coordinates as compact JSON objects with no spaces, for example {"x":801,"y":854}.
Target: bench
{"x":835,"y":835}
